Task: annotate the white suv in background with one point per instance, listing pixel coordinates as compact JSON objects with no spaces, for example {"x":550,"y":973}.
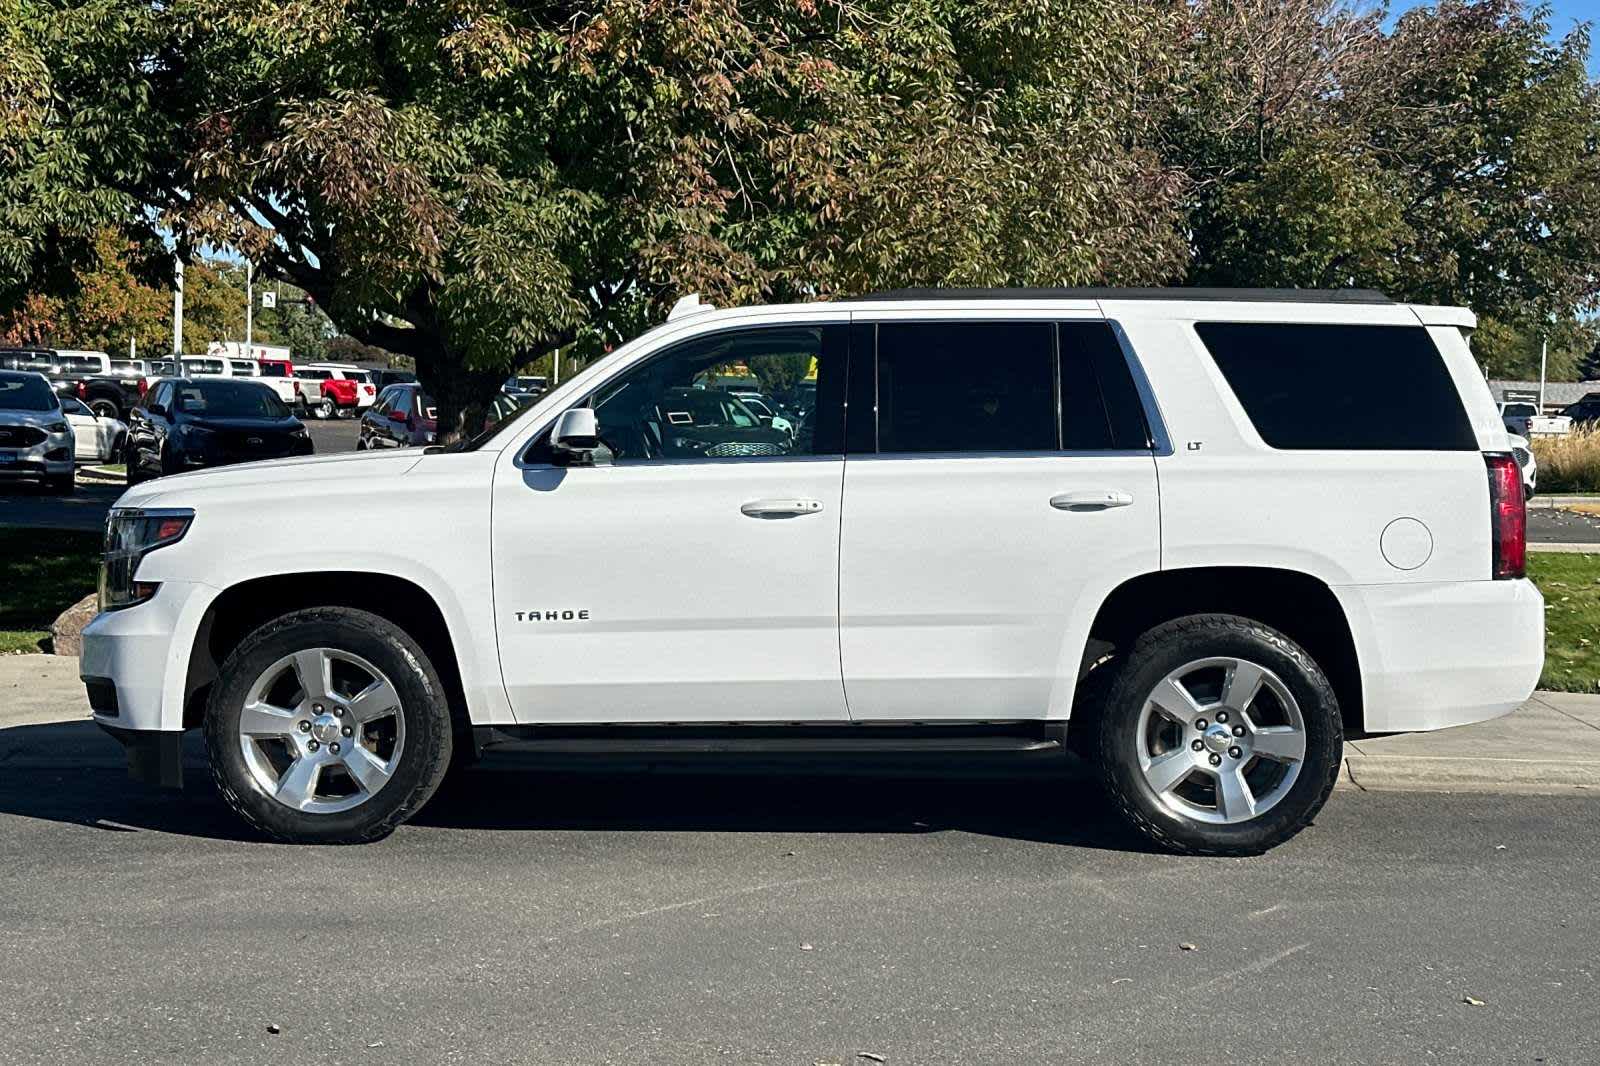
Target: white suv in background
{"x":1173,"y":529}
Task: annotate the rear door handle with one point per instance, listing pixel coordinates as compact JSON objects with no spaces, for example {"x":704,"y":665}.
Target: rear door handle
{"x":781,"y":508}
{"x":1095,"y":500}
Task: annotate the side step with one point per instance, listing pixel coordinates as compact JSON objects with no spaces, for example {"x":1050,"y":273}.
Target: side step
{"x":1033,"y":738}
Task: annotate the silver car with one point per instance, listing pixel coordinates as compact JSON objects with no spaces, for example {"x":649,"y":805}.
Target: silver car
{"x":35,"y":439}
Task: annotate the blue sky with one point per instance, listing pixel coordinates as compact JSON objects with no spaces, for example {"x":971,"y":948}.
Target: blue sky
{"x":1563,"y":14}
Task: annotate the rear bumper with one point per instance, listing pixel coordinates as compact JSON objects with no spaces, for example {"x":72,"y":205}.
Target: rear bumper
{"x":1438,"y":654}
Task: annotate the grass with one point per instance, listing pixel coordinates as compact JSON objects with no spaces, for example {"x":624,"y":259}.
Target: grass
{"x":1571,"y":587}
{"x":42,"y":573}
{"x":1569,"y":463}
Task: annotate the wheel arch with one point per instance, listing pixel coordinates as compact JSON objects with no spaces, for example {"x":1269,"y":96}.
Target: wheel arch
{"x":241,"y":608}
{"x":1297,"y":604}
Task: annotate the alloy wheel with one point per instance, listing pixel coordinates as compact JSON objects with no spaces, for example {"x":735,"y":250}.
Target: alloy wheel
{"x":321,"y":731}
{"x":1221,"y":740}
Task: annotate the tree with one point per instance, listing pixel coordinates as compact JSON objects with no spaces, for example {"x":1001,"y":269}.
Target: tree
{"x":475,"y":186}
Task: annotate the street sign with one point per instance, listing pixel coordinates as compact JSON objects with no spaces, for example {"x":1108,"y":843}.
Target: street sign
{"x":1520,"y":395}
{"x":269,"y":299}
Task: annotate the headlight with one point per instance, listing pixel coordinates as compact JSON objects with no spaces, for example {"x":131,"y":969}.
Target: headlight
{"x":58,"y":427}
{"x":131,"y":534}
{"x":299,"y":431}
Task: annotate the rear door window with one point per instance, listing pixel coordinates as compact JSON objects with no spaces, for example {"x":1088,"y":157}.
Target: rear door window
{"x":1341,"y":387}
{"x":966,"y":387}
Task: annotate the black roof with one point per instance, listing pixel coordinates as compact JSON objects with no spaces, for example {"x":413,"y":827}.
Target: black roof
{"x":1310,"y":296}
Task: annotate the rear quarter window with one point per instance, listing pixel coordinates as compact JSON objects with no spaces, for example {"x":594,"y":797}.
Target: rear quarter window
{"x":1341,"y":387}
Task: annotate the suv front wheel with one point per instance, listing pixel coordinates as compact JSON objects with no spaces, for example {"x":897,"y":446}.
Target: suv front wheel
{"x":1219,"y":736}
{"x":328,"y":725}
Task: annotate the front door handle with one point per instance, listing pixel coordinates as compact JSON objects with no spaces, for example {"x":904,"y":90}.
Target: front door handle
{"x":781,"y":508}
{"x":1095,"y":500}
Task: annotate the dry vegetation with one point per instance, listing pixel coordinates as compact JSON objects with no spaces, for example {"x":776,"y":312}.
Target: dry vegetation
{"x":1570,"y":463}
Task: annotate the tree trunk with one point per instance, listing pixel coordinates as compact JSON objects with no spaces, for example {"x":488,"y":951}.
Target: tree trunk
{"x":461,"y":395}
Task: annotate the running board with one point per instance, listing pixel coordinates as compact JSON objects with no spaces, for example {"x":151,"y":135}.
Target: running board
{"x":1034,"y":738}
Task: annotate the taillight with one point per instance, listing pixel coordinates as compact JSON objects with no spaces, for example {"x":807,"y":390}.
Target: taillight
{"x":83,"y":390}
{"x":144,"y":387}
{"x":1508,"y":516}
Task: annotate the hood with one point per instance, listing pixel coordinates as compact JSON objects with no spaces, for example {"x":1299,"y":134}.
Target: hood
{"x":10,"y":416}
{"x":271,"y":477}
{"x":265,"y":425}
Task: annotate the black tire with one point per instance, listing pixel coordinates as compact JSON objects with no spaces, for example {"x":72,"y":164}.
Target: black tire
{"x":105,"y":409}
{"x":1167,"y":648}
{"x":325,"y":408}
{"x":423,"y":704}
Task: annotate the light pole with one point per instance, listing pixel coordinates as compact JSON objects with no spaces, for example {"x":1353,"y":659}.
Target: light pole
{"x":249,"y":304}
{"x":177,"y":305}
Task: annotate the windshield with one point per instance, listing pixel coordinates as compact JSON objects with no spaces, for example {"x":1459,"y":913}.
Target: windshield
{"x":1520,"y":409}
{"x":127,"y":366}
{"x":25,"y":392}
{"x":230,"y":399}
{"x":274,"y":370}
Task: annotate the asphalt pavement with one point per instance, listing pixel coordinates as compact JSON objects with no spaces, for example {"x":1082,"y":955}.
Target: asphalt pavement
{"x":554,"y":917}
{"x":1551,"y":525}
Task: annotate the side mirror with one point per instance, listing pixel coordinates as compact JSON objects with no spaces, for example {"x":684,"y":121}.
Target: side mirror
{"x":157,"y":410}
{"x":575,"y":440}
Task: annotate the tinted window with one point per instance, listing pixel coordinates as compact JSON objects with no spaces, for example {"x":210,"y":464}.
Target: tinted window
{"x":966,"y":387}
{"x":204,"y":366}
{"x":669,"y":408}
{"x":1100,"y":408}
{"x":127,"y":366}
{"x":79,"y":364}
{"x":1341,"y":387}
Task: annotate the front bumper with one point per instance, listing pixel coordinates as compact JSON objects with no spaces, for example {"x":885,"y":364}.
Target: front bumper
{"x":1439,"y":654}
{"x":154,"y":758}
{"x":143,"y":652}
{"x":55,"y":456}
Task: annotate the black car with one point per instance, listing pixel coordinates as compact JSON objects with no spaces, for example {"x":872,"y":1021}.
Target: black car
{"x":401,"y":417}
{"x":192,"y":423}
{"x":384,"y":378}
{"x":1586,"y":412}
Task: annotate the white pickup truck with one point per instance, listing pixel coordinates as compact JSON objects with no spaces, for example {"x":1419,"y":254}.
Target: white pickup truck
{"x":1523,"y":418}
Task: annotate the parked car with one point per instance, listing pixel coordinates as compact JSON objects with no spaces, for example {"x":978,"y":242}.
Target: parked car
{"x":194,"y":423}
{"x":103,"y":383}
{"x":331,"y":390}
{"x":1138,"y":523}
{"x":36,"y":440}
{"x":765,"y":410}
{"x":403,"y":417}
{"x":526,"y":384}
{"x":279,"y":375}
{"x":384,"y":377}
{"x":506,"y":406}
{"x":1585,"y":412}
{"x":1527,"y":462}
{"x":96,"y":438}
{"x":1524,"y":419}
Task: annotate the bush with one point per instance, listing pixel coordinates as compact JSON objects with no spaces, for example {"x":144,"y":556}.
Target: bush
{"x":1570,"y":463}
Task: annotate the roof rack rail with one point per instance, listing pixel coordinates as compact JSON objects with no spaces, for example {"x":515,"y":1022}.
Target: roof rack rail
{"x":1309,"y":296}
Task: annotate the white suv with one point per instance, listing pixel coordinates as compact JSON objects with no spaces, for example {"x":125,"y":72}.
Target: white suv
{"x":1167,"y":528}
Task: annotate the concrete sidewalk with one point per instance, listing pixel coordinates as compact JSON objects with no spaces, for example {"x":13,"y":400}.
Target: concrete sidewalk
{"x":1549,"y":745}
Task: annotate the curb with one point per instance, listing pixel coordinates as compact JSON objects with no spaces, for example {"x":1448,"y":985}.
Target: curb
{"x":1549,"y":502}
{"x":1576,"y":549}
{"x":96,"y":476}
{"x":1445,"y":773}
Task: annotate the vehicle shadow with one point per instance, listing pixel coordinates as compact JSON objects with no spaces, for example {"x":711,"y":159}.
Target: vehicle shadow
{"x":70,"y":772}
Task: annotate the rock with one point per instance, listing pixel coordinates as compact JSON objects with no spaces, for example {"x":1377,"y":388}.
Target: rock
{"x":66,"y":632}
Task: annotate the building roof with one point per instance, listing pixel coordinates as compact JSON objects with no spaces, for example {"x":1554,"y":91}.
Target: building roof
{"x":1556,"y":393}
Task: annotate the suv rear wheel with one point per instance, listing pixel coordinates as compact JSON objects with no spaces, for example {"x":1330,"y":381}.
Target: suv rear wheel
{"x":1219,"y":736}
{"x":328,"y":725}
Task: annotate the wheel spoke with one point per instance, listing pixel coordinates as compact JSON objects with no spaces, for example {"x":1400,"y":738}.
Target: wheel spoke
{"x":1174,"y":701}
{"x":1283,"y":743}
{"x":1235,"y":801}
{"x":375,"y":701}
{"x":369,"y":771}
{"x":1244,"y":681}
{"x":265,"y":720}
{"x":312,"y":668}
{"x":298,"y":786}
{"x":1167,"y":771}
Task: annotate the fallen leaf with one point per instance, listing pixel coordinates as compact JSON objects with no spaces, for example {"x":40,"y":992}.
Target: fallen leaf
{"x":1472,"y":1001}
{"x":1187,"y":947}
{"x":274,"y":1028}
{"x":872,"y":1055}
{"x":1120,"y":980}
{"x":807,"y":947}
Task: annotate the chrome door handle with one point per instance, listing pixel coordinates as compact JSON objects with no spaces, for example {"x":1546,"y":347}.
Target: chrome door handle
{"x":1097,"y":500}
{"x":780,"y":508}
